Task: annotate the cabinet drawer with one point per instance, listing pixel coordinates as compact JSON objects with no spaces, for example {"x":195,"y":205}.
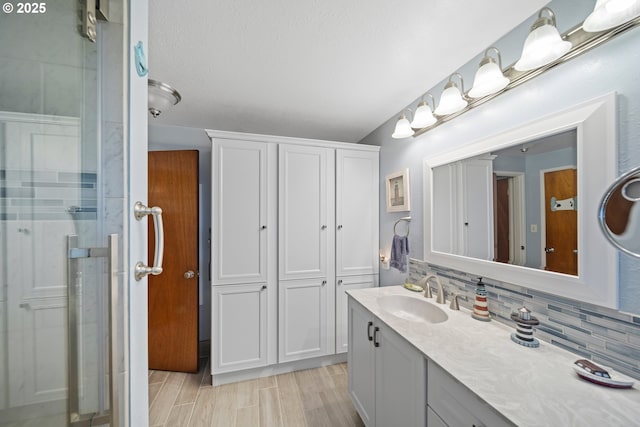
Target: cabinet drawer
{"x":456,"y":405}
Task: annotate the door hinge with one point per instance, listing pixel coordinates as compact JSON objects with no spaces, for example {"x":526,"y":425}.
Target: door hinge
{"x":90,"y":12}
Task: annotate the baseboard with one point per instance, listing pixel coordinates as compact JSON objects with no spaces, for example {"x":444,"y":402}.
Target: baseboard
{"x":280,"y":368}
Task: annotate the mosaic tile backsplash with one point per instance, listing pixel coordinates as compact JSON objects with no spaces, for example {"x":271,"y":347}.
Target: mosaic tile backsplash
{"x":603,"y":335}
{"x":47,"y":195}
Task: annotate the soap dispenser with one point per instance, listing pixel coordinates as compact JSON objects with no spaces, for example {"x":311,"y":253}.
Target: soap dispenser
{"x":480,"y":308}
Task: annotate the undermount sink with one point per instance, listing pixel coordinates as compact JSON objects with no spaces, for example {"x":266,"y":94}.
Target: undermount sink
{"x":412,"y":309}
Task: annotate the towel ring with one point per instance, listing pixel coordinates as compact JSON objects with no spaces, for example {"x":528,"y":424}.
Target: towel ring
{"x":407,"y":219}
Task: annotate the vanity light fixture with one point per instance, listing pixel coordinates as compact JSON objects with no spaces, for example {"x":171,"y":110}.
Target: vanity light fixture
{"x":403,"y":127}
{"x":451,"y":100}
{"x":489,"y":78}
{"x":611,"y":13}
{"x":424,"y":113}
{"x":543,"y":44}
{"x":161,"y":97}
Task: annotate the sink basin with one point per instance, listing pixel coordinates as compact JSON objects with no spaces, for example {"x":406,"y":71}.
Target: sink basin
{"x":412,"y":309}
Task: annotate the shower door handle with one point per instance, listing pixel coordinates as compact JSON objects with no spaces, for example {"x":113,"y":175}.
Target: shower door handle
{"x":141,"y":269}
{"x":103,"y":416}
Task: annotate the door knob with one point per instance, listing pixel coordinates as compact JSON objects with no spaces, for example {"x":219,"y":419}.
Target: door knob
{"x":549,"y":250}
{"x":189,"y":274}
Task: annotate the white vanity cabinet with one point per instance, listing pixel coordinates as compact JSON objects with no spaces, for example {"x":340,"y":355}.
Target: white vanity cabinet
{"x":387,"y":375}
{"x":452,"y":404}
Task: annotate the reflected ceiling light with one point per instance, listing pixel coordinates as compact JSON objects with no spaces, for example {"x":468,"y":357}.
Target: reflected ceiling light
{"x":611,"y":13}
{"x":161,"y":97}
{"x":543,"y":45}
{"x":424,"y":114}
{"x":489,"y":77}
{"x":451,"y":99}
{"x":403,"y":127}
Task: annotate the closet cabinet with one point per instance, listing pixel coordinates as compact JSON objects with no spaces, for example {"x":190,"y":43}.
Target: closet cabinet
{"x":243,"y":247}
{"x":387,"y":375}
{"x":299,"y":217}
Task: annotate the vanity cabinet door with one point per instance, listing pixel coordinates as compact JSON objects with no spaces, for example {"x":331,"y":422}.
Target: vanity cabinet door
{"x":456,"y":405}
{"x":400,"y":380}
{"x":361,"y":362}
{"x":240,"y":327}
{"x":306,"y":318}
{"x":343,"y":285}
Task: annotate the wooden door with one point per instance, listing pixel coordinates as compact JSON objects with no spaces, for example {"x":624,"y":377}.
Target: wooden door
{"x":561,"y":221}
{"x":502,"y":228}
{"x":173,"y":295}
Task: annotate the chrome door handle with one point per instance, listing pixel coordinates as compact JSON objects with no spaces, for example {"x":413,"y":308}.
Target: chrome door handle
{"x":141,"y":269}
{"x":189,"y":274}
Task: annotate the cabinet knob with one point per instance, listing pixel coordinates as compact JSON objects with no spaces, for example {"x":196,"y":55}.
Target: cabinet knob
{"x":324,"y":227}
{"x":263,"y":287}
{"x":264,"y":227}
{"x":324,"y":282}
{"x":340,"y":227}
{"x":339,"y":282}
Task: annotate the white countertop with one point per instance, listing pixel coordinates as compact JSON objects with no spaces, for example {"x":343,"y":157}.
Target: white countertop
{"x":529,"y":386}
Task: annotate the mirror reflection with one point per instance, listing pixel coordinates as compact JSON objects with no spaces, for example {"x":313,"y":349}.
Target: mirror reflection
{"x":517,"y":205}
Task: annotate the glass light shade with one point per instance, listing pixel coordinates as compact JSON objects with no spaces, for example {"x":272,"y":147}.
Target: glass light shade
{"x":403,"y":128}
{"x":489,"y":79}
{"x":611,"y":13}
{"x":543,"y":46}
{"x":451,"y":101}
{"x":423,"y":117}
{"x":161,"y":97}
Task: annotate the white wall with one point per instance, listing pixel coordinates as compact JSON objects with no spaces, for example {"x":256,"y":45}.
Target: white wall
{"x":183,"y":138}
{"x":610,"y":67}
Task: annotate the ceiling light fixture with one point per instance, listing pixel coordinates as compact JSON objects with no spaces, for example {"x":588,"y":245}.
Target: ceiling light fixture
{"x":161,"y":97}
{"x":451,"y":100}
{"x":489,"y":78}
{"x":543,"y":44}
{"x":424,"y":113}
{"x":403,"y":127}
{"x":611,"y":13}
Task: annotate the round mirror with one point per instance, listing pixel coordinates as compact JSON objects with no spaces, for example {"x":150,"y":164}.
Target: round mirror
{"x":619,"y":213}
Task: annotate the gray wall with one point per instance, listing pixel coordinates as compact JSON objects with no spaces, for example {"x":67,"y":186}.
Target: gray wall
{"x":608,"y":68}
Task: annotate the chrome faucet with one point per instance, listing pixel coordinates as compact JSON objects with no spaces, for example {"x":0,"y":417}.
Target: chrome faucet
{"x":427,"y":289}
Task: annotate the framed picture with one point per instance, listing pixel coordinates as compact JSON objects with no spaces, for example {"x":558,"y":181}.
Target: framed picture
{"x":398,"y":198}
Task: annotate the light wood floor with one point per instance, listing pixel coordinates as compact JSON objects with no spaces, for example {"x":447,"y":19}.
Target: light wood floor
{"x":313,"y":397}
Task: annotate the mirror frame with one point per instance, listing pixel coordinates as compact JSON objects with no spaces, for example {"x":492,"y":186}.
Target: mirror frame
{"x":597,"y":281}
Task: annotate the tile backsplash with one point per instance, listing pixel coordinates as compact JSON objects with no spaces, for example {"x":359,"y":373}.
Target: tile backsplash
{"x":603,"y":335}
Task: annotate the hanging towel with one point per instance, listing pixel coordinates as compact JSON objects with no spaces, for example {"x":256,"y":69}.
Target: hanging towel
{"x":399,"y":253}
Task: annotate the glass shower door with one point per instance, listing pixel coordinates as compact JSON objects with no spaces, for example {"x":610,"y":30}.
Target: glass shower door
{"x":54,"y":293}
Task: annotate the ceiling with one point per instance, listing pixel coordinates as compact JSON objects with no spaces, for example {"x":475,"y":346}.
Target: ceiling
{"x":326,"y":69}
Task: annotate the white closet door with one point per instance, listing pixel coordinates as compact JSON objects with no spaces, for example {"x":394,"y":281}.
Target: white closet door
{"x":241,"y":188}
{"x":240,"y":327}
{"x":357,"y":212}
{"x":306,"y":214}
{"x":306,"y":318}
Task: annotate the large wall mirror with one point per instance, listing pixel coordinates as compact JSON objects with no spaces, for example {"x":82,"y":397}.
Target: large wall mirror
{"x":522,"y":206}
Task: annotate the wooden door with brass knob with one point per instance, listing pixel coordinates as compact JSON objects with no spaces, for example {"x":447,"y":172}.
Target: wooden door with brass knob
{"x":173,"y":295}
{"x":561,"y":221}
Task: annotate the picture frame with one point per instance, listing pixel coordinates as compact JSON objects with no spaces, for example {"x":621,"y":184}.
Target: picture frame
{"x":398,"y":191}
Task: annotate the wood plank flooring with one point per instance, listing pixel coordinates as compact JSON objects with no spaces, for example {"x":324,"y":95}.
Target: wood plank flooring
{"x":312,"y":397}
